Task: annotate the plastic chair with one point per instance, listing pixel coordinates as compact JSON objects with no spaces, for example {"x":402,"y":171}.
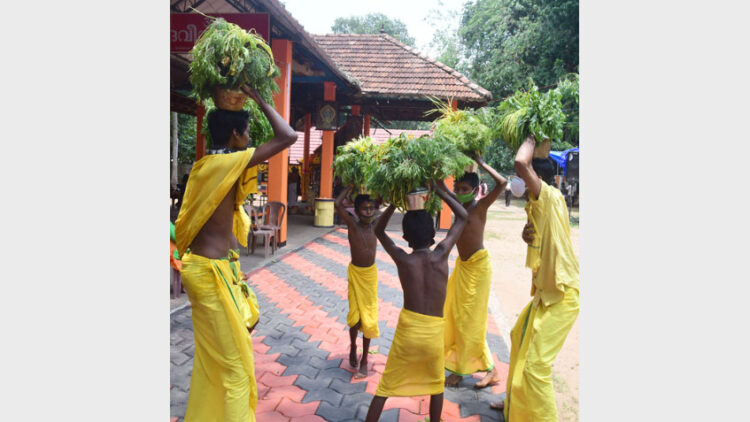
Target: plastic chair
{"x":257,"y":230}
{"x":273,"y":215}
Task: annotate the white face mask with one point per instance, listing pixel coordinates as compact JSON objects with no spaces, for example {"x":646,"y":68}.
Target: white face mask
{"x":517,"y":186}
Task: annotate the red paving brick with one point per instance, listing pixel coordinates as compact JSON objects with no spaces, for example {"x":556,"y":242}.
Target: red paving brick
{"x":309,"y":418}
{"x":270,"y":417}
{"x":271,"y":380}
{"x":268,"y":405}
{"x":291,"y":392}
{"x":407,"y":403}
{"x":295,"y":410}
{"x":279,"y":399}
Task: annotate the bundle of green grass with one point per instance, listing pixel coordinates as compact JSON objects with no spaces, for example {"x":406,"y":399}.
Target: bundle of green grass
{"x":355,"y":162}
{"x":464,"y":128}
{"x":530,"y":113}
{"x":227,"y":56}
{"x":405,"y":164}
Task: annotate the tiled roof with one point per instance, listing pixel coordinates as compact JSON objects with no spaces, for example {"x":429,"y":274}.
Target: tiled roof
{"x":297,"y":150}
{"x":380,"y":135}
{"x":387,"y":67}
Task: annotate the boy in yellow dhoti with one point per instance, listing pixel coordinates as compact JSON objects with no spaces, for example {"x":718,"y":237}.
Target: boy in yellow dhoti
{"x":468,"y":293}
{"x":415,"y":362}
{"x":222,"y":386}
{"x":543,"y":325}
{"x":362,"y":275}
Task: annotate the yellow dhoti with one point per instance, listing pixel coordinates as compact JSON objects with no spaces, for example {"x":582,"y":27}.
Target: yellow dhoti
{"x":466,"y":301}
{"x":363,"y":299}
{"x":222,"y":386}
{"x":415,"y":362}
{"x":536,"y":339}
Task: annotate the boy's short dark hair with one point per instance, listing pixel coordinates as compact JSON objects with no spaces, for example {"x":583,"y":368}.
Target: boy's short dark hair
{"x":360,"y":199}
{"x":221,"y":123}
{"x":419,"y":229}
{"x":471,"y":178}
{"x":544,"y":168}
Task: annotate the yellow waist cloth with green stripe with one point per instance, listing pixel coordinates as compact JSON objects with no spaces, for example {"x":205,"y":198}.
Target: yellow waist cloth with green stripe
{"x":465,"y":312}
{"x":363,"y":299}
{"x":210,"y":180}
{"x":222,"y":385}
{"x":415,"y":362}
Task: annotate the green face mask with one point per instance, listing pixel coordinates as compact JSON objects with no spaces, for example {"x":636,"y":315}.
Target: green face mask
{"x":466,"y":197}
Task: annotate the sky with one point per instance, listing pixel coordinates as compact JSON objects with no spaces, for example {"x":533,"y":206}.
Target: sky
{"x":317,"y":16}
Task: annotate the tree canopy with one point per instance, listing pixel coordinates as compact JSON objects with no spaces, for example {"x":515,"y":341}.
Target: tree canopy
{"x":507,"y":41}
{"x":372,"y":24}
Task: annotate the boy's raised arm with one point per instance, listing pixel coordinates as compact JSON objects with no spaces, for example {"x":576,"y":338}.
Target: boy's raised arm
{"x":442,"y":185}
{"x":500,"y":183}
{"x":523,"y":167}
{"x":340,"y":208}
{"x":444,"y":247}
{"x":283,"y":134}
{"x":394,"y":251}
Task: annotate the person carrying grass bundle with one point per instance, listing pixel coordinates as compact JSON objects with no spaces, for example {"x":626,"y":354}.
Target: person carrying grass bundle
{"x":468,"y":292}
{"x":222,"y":385}
{"x":543,"y":325}
{"x":362,"y":274}
{"x":415,"y":361}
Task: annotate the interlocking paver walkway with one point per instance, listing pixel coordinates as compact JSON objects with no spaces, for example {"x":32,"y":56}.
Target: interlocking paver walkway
{"x":301,"y":344}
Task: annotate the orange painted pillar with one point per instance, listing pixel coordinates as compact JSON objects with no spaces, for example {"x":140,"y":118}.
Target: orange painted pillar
{"x":305,"y":158}
{"x":326,"y":156}
{"x":366,"y":128}
{"x":200,"y":141}
{"x":445,"y":212}
{"x":278,"y":165}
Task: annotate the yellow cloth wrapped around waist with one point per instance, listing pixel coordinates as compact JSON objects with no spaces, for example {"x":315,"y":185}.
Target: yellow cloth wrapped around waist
{"x":251,"y":313}
{"x":465,"y":312}
{"x":210,"y":180}
{"x":415,"y":361}
{"x":222,"y":385}
{"x":363,"y":299}
{"x":536,"y":340}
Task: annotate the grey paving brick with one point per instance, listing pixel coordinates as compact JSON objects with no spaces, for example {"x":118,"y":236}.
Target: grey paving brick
{"x":324,"y":363}
{"x":298,"y":359}
{"x":178,"y":398}
{"x":283,"y":349}
{"x":178,"y":358}
{"x":338,"y":373}
{"x":479,"y":408}
{"x":335,"y":413}
{"x":306,"y":370}
{"x":311,"y":384}
{"x":355,"y":399}
{"x":324,"y":395}
{"x":346,"y":388}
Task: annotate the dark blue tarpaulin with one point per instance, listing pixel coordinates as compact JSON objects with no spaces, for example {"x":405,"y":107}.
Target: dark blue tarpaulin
{"x":561,"y":157}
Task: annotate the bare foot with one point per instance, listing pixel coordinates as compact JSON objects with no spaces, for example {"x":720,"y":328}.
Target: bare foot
{"x":491,"y":378}
{"x":362,"y":373}
{"x":498,"y":405}
{"x":452,"y":380}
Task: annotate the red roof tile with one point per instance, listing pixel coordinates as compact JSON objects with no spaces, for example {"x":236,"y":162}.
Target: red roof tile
{"x":385,"y":66}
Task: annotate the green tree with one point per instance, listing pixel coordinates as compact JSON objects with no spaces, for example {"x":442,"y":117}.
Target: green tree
{"x":371,"y":24}
{"x":446,"y":43}
{"x":507,"y":41}
{"x":186,"y":135}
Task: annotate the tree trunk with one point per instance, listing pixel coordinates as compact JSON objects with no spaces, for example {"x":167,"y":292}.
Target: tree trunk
{"x":175,"y":145}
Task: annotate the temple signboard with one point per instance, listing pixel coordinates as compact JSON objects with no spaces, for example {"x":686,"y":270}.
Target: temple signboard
{"x":186,"y":28}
